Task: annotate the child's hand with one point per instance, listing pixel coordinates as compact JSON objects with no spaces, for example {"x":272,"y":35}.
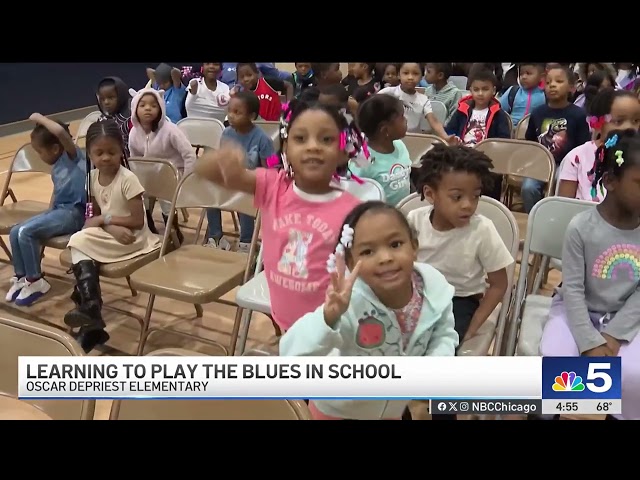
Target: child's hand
{"x":93,"y":222}
{"x":35,"y":117}
{"x":601,"y":351}
{"x":233,"y":91}
{"x":151,"y":74}
{"x":231,"y":161}
{"x":339,"y":292}
{"x":193,"y":86}
{"x":613,"y":344}
{"x":453,"y":140}
{"x":122,"y":234}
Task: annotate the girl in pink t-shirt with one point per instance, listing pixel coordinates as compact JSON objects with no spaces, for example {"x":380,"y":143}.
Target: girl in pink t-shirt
{"x":610,"y":110}
{"x":302,"y":209}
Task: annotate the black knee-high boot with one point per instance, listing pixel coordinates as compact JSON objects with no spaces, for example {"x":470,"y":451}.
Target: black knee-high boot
{"x":175,"y":226}
{"x":88,"y":298}
{"x":150,"y":222}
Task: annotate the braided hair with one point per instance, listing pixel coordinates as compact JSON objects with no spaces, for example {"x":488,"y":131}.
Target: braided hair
{"x":352,"y":141}
{"x":97,"y":130}
{"x":613,"y":157}
{"x":442,"y":159}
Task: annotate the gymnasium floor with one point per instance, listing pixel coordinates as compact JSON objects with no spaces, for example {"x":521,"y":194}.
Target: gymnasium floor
{"x":216,"y":323}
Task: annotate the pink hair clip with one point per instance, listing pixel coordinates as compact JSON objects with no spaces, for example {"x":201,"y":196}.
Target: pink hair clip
{"x":343,"y":140}
{"x":273,"y":161}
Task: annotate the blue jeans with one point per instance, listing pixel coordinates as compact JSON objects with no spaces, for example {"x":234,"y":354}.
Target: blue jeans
{"x":214,"y":218}
{"x":532,"y":193}
{"x":26,"y":238}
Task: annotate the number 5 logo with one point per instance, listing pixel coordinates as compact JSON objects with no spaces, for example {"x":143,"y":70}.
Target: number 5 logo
{"x":595,"y":373}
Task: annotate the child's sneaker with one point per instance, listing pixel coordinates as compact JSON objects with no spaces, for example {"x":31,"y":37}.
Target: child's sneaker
{"x":222,"y":244}
{"x":244,"y":247}
{"x":16,"y":285}
{"x":32,"y":291}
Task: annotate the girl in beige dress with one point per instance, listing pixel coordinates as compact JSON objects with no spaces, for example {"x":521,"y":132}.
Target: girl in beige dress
{"x":115,"y":230}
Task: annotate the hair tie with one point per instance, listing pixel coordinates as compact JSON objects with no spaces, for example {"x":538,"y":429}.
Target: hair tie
{"x":611,"y":142}
{"x":619,"y":159}
{"x":346,"y":241}
{"x":273,"y":161}
{"x":597,"y":123}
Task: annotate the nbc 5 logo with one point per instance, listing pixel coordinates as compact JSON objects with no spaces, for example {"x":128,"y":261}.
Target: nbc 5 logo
{"x":581,"y":377}
{"x":570,"y":382}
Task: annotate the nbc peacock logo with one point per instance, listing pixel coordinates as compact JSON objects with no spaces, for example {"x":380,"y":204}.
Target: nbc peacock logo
{"x":568,"y":382}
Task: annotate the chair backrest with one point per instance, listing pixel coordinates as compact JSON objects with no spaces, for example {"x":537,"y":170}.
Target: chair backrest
{"x":195,"y":191}
{"x":520,"y":158}
{"x":459,"y":81}
{"x":420,"y":90}
{"x":19,"y":337}
{"x":412,"y":202}
{"x":85,"y":124}
{"x":158,"y":177}
{"x":272,"y":129}
{"x":207,"y":409}
{"x":521,"y":128}
{"x":510,"y":122}
{"x":418,"y":144}
{"x":26,"y":160}
{"x":367,"y":191}
{"x":439,"y":110}
{"x":202,"y":132}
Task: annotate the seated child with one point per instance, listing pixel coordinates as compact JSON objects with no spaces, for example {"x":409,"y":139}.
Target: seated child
{"x":153,"y":136}
{"x":52,"y":141}
{"x":114,"y":103}
{"x":301,"y":207}
{"x":519,"y":100}
{"x":243,"y":110}
{"x":460,"y":243}
{"x":117,"y":231}
{"x":169,"y":80}
{"x":267,"y":90}
{"x":610,"y":110}
{"x":418,"y":110}
{"x":337,"y":96}
{"x":302,"y":78}
{"x":207,"y":96}
{"x":407,"y":306}
{"x":381,"y":118}
{"x":390,"y":75}
{"x":440,"y":89}
{"x":326,"y":74}
{"x":596,"y":311}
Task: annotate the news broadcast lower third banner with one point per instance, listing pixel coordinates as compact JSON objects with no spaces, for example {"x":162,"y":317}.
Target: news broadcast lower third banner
{"x":556,"y":383}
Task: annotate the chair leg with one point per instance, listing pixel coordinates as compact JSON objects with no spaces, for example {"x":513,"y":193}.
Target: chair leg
{"x":236,"y":329}
{"x":234,"y":217}
{"x":144,"y":328}
{"x":199,"y":311}
{"x":12,"y":195}
{"x":6,"y":249}
{"x":134,"y":292}
{"x":245,"y":325}
{"x":185,"y":214}
{"x":199,"y":226}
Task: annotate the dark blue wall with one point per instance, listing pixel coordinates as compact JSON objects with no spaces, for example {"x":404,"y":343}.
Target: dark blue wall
{"x":56,"y":87}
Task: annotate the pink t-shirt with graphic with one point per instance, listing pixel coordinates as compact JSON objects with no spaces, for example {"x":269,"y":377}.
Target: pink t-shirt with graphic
{"x":299,"y":232}
{"x":576,"y":167}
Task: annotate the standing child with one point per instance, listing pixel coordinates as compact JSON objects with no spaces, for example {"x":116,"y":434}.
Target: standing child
{"x":417,"y":108}
{"x":381,"y":118}
{"x":407,"y":303}
{"x":52,"y":141}
{"x":301,"y":209}
{"x":207,"y":95}
{"x":243,"y":110}
{"x":116,"y":232}
{"x":520,"y":100}
{"x":596,"y":311}
{"x":610,"y":110}
{"x":266,"y":89}
{"x":559,"y":126}
{"x":169,"y":80}
{"x":153,"y":136}
{"x":440,"y":89}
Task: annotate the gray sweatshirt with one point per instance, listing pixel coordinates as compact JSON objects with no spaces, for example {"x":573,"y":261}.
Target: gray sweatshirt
{"x":600,"y":276}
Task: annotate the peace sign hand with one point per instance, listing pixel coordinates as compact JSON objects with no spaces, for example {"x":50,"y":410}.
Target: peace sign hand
{"x":339,"y":292}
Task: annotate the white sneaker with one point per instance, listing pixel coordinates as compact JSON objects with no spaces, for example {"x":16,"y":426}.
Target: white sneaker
{"x":222,"y":244}
{"x":244,"y":247}
{"x":16,"y":285}
{"x":32,"y":292}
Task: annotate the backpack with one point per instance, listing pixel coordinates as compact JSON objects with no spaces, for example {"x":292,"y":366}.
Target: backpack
{"x":512,"y":96}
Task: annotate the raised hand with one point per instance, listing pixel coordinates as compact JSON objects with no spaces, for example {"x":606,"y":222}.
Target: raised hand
{"x":339,"y":292}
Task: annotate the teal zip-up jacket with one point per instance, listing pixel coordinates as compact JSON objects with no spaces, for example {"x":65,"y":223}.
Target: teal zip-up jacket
{"x":368,"y":328}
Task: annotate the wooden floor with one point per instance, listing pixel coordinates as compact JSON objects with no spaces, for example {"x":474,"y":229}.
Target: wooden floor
{"x":215,"y":325}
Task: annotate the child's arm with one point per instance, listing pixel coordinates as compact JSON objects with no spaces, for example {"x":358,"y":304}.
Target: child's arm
{"x":504,"y":101}
{"x":625,"y":325}
{"x":532,"y":134}
{"x":319,"y":332}
{"x":59,"y":131}
{"x":281,"y":86}
{"x":180,"y":142}
{"x":265,"y":149}
{"x":226,"y":166}
{"x":568,"y":177}
{"x":453,"y":127}
{"x":176,"y":78}
{"x":444,"y":338}
{"x":502,"y":128}
{"x":498,"y":283}
{"x":435,"y":124}
{"x":135,"y":221}
{"x":583,"y":134}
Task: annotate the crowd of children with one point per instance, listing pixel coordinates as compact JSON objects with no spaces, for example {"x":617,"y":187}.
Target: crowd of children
{"x":336,"y":265}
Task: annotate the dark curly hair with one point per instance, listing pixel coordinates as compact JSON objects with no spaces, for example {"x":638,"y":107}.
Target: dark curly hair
{"x":442,"y":159}
{"x":624,"y":141}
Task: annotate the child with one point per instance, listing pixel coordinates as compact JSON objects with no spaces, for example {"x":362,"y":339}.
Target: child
{"x":463,"y":245}
{"x":336,"y":96}
{"x":381,"y":119}
{"x":302,"y":78}
{"x":326,"y":74}
{"x":206,"y":95}
{"x":52,"y":141}
{"x":440,"y":89}
{"x":627,"y":74}
{"x":363,"y":82}
{"x":479,"y":115}
{"x":611,"y":109}
{"x":243,"y":110}
{"x":114,"y":103}
{"x":559,"y":126}
{"x":406,"y":305}
{"x":169,"y":80}
{"x":301,"y":209}
{"x":117,"y":230}
{"x":266,"y":89}
{"x":153,"y":136}
{"x":519,"y":101}
{"x":417,"y":106}
{"x":391,"y":75}
{"x":596,"y":311}
{"x":597,"y":81}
